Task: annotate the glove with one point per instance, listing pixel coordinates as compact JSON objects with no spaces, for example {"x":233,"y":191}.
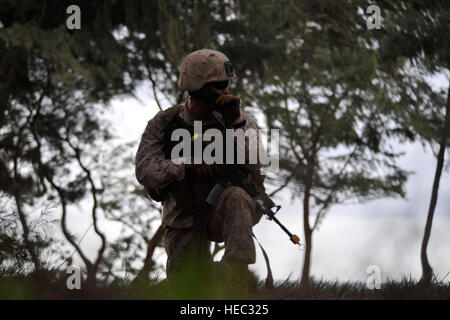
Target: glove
{"x":207,"y":172}
{"x":229,"y":107}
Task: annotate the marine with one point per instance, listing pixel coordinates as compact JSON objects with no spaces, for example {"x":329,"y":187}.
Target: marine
{"x":190,"y":223}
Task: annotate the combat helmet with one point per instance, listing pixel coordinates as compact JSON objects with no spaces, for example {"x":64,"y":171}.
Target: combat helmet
{"x":204,"y":66}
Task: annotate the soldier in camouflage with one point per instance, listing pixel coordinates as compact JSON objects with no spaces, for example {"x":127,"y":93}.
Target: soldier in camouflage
{"x":189,"y":222}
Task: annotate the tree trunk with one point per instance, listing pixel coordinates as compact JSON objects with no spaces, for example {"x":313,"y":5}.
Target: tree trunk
{"x":31,"y":248}
{"x":148,"y":262}
{"x":304,"y":282}
{"x":427,"y":271}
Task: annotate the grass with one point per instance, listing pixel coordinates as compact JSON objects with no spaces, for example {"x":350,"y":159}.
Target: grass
{"x":405,"y":289}
{"x":48,"y":286}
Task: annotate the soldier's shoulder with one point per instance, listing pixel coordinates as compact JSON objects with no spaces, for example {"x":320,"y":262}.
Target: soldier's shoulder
{"x":167,"y":114}
{"x":156,"y":124}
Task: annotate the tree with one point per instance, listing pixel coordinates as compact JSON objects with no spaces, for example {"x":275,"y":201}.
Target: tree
{"x":325,"y":96}
{"x":313,"y":69}
{"x":128,"y":203}
{"x":51,"y":80}
{"x":56,"y":83}
{"x":412,"y":41}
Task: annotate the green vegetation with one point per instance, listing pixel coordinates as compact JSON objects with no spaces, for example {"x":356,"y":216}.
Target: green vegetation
{"x":337,"y":91}
{"x":52,"y":288}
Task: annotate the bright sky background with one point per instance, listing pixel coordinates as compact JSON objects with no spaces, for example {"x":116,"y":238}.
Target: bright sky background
{"x":386,"y":232}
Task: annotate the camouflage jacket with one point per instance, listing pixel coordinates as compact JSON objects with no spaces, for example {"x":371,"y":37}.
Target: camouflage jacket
{"x":154,"y":170}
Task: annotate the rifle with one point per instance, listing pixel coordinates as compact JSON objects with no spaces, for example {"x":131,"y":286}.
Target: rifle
{"x":233,"y":176}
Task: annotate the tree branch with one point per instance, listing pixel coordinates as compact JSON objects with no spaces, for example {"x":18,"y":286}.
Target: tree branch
{"x":94,"y":206}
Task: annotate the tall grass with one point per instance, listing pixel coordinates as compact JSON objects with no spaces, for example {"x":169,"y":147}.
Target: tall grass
{"x":50,"y":285}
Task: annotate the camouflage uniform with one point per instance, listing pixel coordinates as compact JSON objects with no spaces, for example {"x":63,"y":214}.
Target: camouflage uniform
{"x":187,"y":230}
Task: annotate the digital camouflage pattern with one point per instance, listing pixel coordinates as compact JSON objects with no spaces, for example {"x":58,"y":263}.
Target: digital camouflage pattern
{"x":231,"y":221}
{"x":189,"y":228}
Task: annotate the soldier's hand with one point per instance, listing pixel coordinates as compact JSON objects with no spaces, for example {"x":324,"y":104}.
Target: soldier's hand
{"x":203,"y":171}
{"x":229,"y":107}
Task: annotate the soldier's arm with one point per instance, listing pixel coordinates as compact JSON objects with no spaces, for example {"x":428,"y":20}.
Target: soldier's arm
{"x":153,"y":170}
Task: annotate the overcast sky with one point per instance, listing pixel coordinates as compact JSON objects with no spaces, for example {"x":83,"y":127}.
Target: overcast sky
{"x":386,"y":232}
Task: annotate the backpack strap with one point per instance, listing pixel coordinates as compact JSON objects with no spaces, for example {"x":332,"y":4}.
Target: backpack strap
{"x":269,"y":279}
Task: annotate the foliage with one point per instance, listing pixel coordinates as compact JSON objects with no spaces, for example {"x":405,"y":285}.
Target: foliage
{"x":339,"y":93}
